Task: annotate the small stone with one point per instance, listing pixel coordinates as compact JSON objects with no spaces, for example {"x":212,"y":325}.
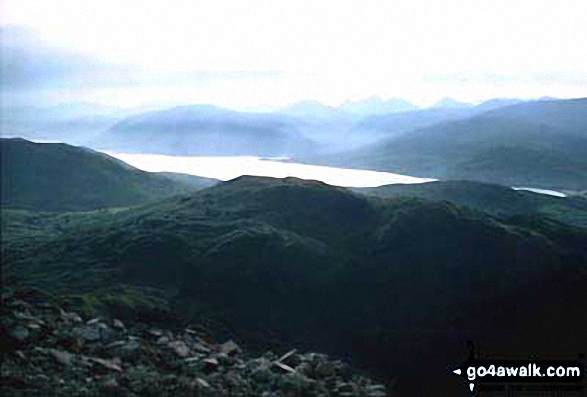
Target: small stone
{"x":283,"y":367}
{"x":116,"y":323}
{"x":28,"y":317}
{"x":200,"y":348}
{"x":128,"y":349}
{"x":117,"y":343}
{"x":262,"y":372}
{"x":202,"y":383}
{"x":108,"y":364}
{"x":325,"y":369}
{"x":20,"y":333}
{"x":180,"y":348}
{"x":155,"y":332}
{"x":231,"y":379}
{"x":162,"y":340}
{"x":17,"y":303}
{"x":306,"y":369}
{"x":224,"y":359}
{"x":110,"y":383}
{"x":87,"y":333}
{"x":230,"y":348}
{"x":342,"y":387}
{"x":34,"y":326}
{"x":375,"y":391}
{"x":210,"y":364}
{"x":108,"y":334}
{"x":62,"y":357}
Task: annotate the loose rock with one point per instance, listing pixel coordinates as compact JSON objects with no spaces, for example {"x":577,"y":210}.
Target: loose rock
{"x":70,"y":357}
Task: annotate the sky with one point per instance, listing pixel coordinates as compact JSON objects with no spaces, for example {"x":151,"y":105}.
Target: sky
{"x":260,"y":54}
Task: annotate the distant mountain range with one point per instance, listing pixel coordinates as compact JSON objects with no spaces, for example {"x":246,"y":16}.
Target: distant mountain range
{"x":505,"y":141}
{"x":208,"y":130}
{"x":376,"y":105}
{"x":303,"y":128}
{"x":535,"y":144}
{"x":395,"y":124}
{"x":450,"y":103}
{"x":348,"y":109}
{"x":375,"y":279}
{"x":312,"y":109}
{"x":60,"y":177}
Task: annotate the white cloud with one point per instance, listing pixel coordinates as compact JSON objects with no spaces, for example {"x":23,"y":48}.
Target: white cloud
{"x":328,"y":50}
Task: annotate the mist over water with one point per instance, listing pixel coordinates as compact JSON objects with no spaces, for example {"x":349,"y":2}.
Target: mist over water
{"x":229,"y":167}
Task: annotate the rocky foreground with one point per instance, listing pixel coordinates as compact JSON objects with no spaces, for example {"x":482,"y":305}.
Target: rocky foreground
{"x":48,"y":351}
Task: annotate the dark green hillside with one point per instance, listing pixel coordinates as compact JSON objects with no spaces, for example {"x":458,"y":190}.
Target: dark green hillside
{"x":374,"y":279}
{"x":60,"y":177}
{"x":498,"y":200}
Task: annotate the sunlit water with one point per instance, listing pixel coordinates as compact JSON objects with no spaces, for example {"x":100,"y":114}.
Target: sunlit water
{"x":230,"y":167}
{"x":542,"y":191}
{"x":226,"y":168}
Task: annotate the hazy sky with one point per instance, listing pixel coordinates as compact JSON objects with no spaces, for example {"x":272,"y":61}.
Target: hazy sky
{"x":271,"y":53}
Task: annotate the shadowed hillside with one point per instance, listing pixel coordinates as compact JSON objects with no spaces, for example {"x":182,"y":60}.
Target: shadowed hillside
{"x":537,"y":144}
{"x":372,"y":279}
{"x":60,"y":177}
{"x":495,"y":199}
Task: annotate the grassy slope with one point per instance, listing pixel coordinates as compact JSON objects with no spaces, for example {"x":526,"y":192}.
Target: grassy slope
{"x":60,"y":177}
{"x":319,"y":266}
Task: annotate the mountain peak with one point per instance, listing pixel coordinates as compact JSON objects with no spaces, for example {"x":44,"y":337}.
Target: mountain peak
{"x":254,"y":180}
{"x":450,"y":103}
{"x":376,"y":105}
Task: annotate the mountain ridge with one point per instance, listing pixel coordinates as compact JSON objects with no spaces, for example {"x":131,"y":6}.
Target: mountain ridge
{"x":539,"y":144}
{"x":62,"y":177}
{"x":320,"y":265}
{"x":494,"y":199}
